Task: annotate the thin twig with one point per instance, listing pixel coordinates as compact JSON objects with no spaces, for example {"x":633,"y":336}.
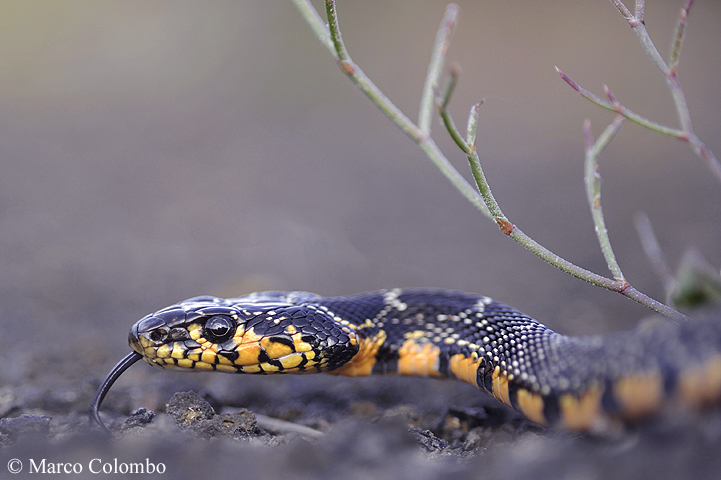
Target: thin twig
{"x":483,"y":187}
{"x":620,"y":285}
{"x":654,"y":253}
{"x":640,"y":7}
{"x":472,"y":126}
{"x":316,"y":24}
{"x":442,"y":102}
{"x":435,"y":67}
{"x":363,"y":82}
{"x":629,"y":114}
{"x":592,"y":180}
{"x":485,"y":201}
{"x":678,"y":37}
{"x":639,"y":28}
{"x":426,"y":143}
{"x":669,"y":71}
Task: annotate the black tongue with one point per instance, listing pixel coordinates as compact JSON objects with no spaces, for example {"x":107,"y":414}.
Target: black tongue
{"x":114,"y":374}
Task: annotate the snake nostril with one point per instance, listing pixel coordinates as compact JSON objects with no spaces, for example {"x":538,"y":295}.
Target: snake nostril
{"x":158,"y":335}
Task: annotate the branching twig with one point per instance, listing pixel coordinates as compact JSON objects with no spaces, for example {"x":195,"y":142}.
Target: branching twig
{"x":485,"y":201}
{"x":620,"y":285}
{"x":334,"y":43}
{"x":593,"y":189}
{"x":669,"y":71}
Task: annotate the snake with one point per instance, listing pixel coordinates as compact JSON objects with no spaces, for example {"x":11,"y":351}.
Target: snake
{"x":582,"y":383}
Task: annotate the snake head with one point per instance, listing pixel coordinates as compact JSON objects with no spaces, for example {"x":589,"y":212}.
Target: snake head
{"x":261,"y":334}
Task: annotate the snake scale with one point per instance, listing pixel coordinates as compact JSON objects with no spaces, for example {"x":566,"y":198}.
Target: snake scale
{"x":578,"y":383}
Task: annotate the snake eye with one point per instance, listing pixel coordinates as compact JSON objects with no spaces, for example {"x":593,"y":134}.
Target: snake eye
{"x":219,"y":328}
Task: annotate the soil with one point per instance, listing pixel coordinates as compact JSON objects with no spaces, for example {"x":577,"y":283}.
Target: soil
{"x":321,"y":426}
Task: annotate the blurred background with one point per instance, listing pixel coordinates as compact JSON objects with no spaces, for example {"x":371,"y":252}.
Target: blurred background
{"x":154,"y":151}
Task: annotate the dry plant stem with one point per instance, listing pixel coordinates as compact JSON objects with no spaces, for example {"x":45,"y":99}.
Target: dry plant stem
{"x":654,"y":253}
{"x":592,"y":180}
{"x":620,"y":285}
{"x":640,"y":8}
{"x":669,"y":72}
{"x":316,"y":23}
{"x":678,"y":37}
{"x":638,"y":25}
{"x":363,"y":82}
{"x":334,"y":43}
{"x":618,"y":108}
{"x":330,"y":37}
{"x":435,"y":67}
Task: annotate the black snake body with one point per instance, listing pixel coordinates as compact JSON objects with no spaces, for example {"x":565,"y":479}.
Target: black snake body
{"x":580,"y":383}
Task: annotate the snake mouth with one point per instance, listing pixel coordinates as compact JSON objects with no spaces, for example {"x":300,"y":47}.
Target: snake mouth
{"x":164,"y":339}
{"x":219,"y":343}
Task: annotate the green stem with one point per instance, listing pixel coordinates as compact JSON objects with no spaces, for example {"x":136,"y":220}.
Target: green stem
{"x":622,"y":287}
{"x":669,"y":72}
{"x":592,"y":180}
{"x":363,"y":82}
{"x":485,"y":202}
{"x":619,"y":285}
{"x":320,"y":29}
{"x":627,"y":113}
{"x":484,"y":188}
{"x":472,"y":127}
{"x":435,"y":67}
{"x":678,"y":37}
{"x":396,"y":116}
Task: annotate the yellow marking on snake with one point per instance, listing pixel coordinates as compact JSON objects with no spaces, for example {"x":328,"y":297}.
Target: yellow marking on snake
{"x":362,"y":363}
{"x":300,"y":345}
{"x":185,"y":363}
{"x":204,"y":366}
{"x":465,"y":367}
{"x":163,"y":351}
{"x":290,"y":362}
{"x":639,"y":394}
{"x":531,"y":405}
{"x":415,"y":358}
{"x":701,"y":385}
{"x":195,"y":330}
{"x":239,"y":334}
{"x":500,"y":386}
{"x":275,"y":349}
{"x":581,"y":413}
{"x":268,"y":368}
{"x":247,"y":354}
{"x":207,"y":356}
{"x":178,"y":351}
{"x":248,"y":337}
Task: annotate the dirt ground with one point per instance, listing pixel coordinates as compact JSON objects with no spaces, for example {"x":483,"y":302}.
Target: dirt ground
{"x":325,"y":427}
